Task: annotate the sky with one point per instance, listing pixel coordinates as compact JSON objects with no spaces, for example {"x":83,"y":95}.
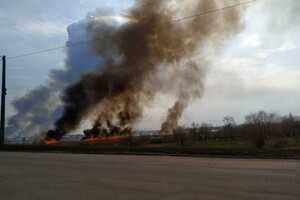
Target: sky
{"x":258,"y":69}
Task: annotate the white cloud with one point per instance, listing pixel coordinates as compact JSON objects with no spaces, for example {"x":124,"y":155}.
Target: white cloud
{"x":82,"y":1}
{"x":252,"y":40}
{"x":286,"y":46}
{"x":255,"y":75}
{"x":262,"y":53}
{"x":46,"y":28}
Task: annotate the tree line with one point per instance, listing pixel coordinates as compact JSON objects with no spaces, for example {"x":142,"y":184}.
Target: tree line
{"x":257,"y":129}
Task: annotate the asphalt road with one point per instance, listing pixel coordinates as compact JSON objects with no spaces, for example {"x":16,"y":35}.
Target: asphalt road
{"x":77,"y":176}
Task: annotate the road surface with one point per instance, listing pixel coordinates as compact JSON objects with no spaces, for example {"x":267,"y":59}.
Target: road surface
{"x":87,"y":177}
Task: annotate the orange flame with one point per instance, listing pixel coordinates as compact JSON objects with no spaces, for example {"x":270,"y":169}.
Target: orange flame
{"x":103,"y":138}
{"x":50,"y":141}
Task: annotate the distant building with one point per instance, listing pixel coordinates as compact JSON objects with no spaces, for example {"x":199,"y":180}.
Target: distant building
{"x":77,"y":137}
{"x":22,"y":140}
{"x":37,"y":139}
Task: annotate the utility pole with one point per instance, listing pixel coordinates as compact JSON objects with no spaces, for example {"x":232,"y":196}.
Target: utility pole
{"x":3,"y":93}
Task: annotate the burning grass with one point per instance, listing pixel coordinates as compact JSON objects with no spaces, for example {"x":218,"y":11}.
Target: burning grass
{"x":104,"y":138}
{"x":50,"y":141}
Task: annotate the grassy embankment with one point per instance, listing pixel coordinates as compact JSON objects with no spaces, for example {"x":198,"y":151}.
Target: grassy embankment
{"x":285,"y":149}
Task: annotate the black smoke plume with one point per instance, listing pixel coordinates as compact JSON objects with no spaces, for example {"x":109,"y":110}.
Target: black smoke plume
{"x":117,"y":92}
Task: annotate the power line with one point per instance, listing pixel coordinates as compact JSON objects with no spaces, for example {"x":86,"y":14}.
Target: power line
{"x":22,"y":88}
{"x":120,"y":34}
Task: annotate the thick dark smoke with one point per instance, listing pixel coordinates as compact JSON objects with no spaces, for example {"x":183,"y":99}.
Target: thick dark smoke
{"x":105,"y":130}
{"x":116,"y":93}
{"x":33,"y":113}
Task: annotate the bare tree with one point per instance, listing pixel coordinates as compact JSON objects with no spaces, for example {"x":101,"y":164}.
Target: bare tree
{"x":205,"y":130}
{"x":261,"y":123}
{"x":194,"y":131}
{"x":180,"y":135}
{"x":228,"y":127}
{"x":229,"y":121}
{"x":288,"y":126}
